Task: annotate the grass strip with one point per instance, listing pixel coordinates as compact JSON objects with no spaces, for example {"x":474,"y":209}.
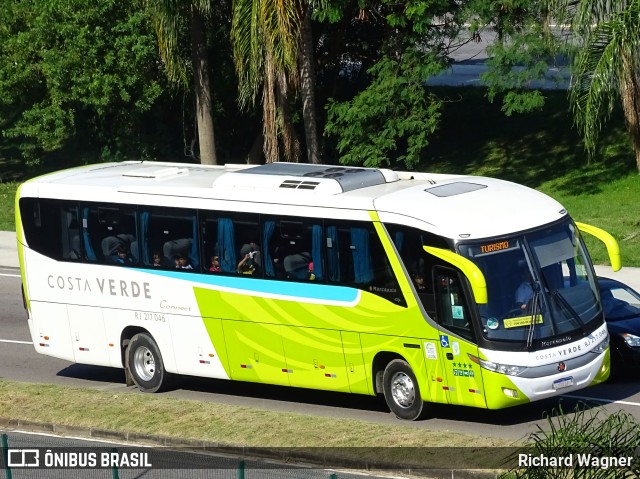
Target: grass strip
{"x":163,"y":415}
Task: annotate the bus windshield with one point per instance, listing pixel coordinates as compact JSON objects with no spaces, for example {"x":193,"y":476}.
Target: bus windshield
{"x":540,"y":286}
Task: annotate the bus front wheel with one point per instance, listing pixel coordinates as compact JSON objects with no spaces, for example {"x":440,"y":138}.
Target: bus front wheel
{"x":401,"y":390}
{"x":145,"y":364}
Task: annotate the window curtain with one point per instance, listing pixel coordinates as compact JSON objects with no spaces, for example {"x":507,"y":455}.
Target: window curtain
{"x":362,"y":266}
{"x":226,"y":246}
{"x":144,"y":237}
{"x":333,"y":254}
{"x":88,"y":249}
{"x":267,"y":234}
{"x":316,"y":251}
{"x":193,"y":254}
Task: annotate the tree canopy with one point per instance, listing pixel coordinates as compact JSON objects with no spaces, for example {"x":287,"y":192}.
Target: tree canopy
{"x":297,"y":80}
{"x":76,"y":75}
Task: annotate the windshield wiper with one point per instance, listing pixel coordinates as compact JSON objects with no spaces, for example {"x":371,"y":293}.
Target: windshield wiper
{"x":566,"y":307}
{"x":535,"y":300}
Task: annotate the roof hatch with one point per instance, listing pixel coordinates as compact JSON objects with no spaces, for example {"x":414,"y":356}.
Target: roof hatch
{"x":320,"y":179}
{"x":158,"y":174}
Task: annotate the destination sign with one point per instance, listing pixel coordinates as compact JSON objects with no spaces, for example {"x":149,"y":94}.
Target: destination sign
{"x":490,"y":248}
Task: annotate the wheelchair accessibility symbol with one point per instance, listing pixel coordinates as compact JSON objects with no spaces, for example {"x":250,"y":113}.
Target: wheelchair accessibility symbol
{"x":444,"y":341}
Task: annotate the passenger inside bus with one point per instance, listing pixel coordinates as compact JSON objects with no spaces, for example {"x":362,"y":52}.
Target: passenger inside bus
{"x":174,"y":249}
{"x":215,"y":265}
{"x":157,"y":260}
{"x":116,"y":248}
{"x":250,"y":261}
{"x":183,"y":262}
{"x":121,"y":257}
{"x":297,"y":266}
{"x":420,"y":283}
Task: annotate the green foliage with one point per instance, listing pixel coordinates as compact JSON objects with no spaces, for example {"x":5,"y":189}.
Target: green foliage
{"x":584,"y":432}
{"x":392,"y":118}
{"x":75,"y":74}
{"x":525,"y":50}
{"x":265,"y":37}
{"x":7,"y":201}
{"x":606,"y":66}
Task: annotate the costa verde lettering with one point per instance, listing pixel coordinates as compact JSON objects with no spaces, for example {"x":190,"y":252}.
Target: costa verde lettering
{"x":110,"y":287}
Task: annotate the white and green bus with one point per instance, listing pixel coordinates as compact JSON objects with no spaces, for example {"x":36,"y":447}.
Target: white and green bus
{"x":424,"y":288}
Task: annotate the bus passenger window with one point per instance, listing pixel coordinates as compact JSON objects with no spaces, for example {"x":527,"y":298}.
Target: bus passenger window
{"x":293,"y":249}
{"x":106,"y":229}
{"x":170,"y":233}
{"x":357,"y":258}
{"x":227,"y":238}
{"x":52,"y":228}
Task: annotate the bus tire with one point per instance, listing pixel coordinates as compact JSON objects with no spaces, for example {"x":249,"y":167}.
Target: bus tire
{"x":145,"y":364}
{"x":401,"y":391}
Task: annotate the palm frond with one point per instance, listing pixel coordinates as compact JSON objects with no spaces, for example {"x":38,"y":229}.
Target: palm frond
{"x":608,"y":54}
{"x":165,"y":17}
{"x":248,"y":51}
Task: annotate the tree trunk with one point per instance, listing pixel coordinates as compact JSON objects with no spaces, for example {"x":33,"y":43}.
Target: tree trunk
{"x":202,"y":87}
{"x":307,"y":87}
{"x":269,"y":112}
{"x":286,"y":131}
{"x":630,"y":93}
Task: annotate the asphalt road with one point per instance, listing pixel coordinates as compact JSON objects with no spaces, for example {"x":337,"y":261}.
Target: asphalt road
{"x":20,"y":362}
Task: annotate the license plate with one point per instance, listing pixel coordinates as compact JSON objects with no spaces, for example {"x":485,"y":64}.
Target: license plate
{"x":563,"y":383}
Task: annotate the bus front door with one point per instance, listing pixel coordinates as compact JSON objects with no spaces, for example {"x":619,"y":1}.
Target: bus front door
{"x":463,"y":379}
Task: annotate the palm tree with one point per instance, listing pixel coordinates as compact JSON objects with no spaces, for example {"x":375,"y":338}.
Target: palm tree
{"x":273,"y":48}
{"x":307,"y":85}
{"x":166,"y":17}
{"x":607,"y":68}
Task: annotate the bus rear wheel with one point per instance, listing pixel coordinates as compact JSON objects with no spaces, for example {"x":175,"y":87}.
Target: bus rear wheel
{"x":145,"y":364}
{"x":401,"y":390}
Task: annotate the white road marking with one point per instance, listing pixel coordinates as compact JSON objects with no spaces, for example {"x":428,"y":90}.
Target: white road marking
{"x":12,"y":275}
{"x":13,"y":341}
{"x":608,"y":401}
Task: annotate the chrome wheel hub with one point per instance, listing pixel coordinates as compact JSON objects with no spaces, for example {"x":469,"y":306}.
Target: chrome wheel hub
{"x":403,"y":390}
{"x":144,"y":363}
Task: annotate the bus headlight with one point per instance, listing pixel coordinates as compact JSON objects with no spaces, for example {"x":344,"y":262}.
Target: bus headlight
{"x":631,"y":340}
{"x":507,"y":369}
{"x":601,"y":347}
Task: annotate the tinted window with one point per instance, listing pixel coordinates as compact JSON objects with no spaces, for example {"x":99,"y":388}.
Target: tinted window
{"x":294,"y":248}
{"x":109,"y":233}
{"x":355,"y":257}
{"x":170,"y":235}
{"x":52,"y":228}
{"x":233,"y":241}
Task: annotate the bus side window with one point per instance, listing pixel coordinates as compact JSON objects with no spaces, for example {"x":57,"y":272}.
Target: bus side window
{"x":356,"y":257}
{"x":452,"y":312}
{"x":171,"y":233}
{"x":409,"y":243}
{"x":108,"y":229}
{"x":70,"y":234}
{"x":52,"y":228}
{"x":293,"y":248}
{"x":227,"y":237}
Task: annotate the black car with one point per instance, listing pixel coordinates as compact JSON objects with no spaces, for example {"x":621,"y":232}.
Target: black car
{"x":621,"y":306}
